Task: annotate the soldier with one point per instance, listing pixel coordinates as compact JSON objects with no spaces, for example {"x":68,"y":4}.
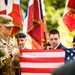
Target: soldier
{"x":21,"y":37}
{"x":6,"y":53}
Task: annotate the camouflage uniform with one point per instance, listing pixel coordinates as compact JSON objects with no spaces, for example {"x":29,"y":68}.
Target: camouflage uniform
{"x":6,"y":60}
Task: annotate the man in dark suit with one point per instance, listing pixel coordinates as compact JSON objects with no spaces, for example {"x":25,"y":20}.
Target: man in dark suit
{"x":67,"y":69}
{"x":54,"y":38}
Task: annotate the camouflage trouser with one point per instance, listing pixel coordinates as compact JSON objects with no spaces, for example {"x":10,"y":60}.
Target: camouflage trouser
{"x":7,"y":73}
{"x":16,"y":65}
{"x":7,"y":70}
{"x":17,"y":71}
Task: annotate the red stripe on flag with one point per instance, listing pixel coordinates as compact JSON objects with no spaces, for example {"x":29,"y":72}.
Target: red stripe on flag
{"x":38,"y":70}
{"x":41,"y":60}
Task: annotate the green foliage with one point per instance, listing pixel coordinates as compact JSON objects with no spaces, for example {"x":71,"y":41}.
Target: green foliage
{"x":54,"y":11}
{"x":57,"y":4}
{"x":24,"y":4}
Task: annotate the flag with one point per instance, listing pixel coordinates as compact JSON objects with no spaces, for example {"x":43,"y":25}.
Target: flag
{"x":69,"y":13}
{"x":2,"y":7}
{"x":25,"y":24}
{"x":44,"y":62}
{"x":45,"y":34}
{"x":12,"y":8}
{"x":34,"y":23}
{"x":15,"y":13}
{"x":69,"y":55}
{"x":41,"y":62}
{"x":71,"y":4}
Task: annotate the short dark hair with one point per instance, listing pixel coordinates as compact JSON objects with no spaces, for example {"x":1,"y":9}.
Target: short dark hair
{"x":54,"y":31}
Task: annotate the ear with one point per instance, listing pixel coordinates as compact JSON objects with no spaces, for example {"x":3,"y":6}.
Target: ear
{"x":25,"y":39}
{"x":0,"y":26}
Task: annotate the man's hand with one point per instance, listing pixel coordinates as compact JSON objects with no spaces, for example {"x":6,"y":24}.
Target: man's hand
{"x":16,"y":53}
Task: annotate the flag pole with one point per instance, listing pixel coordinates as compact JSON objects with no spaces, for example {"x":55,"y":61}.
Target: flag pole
{"x":44,"y":42}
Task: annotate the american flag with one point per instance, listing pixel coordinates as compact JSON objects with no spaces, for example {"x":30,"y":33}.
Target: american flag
{"x":69,"y":54}
{"x":41,"y":62}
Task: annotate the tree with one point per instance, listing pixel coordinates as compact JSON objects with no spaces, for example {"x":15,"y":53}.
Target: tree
{"x":54,"y":11}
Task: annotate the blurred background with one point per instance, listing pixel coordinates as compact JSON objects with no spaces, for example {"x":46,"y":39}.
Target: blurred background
{"x":54,"y":10}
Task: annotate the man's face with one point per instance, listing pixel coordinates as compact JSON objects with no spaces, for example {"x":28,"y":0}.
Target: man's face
{"x":5,"y":31}
{"x":22,"y":42}
{"x":74,"y":45}
{"x":54,"y":40}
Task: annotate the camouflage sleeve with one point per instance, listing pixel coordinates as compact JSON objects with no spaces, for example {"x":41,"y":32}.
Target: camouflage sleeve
{"x":4,"y":61}
{"x":1,"y":53}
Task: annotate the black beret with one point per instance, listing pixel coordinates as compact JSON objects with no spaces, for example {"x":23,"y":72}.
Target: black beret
{"x":21,"y":35}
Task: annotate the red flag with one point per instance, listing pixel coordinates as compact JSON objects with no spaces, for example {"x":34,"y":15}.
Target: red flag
{"x":41,"y":62}
{"x":14,"y":12}
{"x":71,"y":4}
{"x":68,"y":17}
{"x":2,"y":7}
{"x":34,"y":23}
